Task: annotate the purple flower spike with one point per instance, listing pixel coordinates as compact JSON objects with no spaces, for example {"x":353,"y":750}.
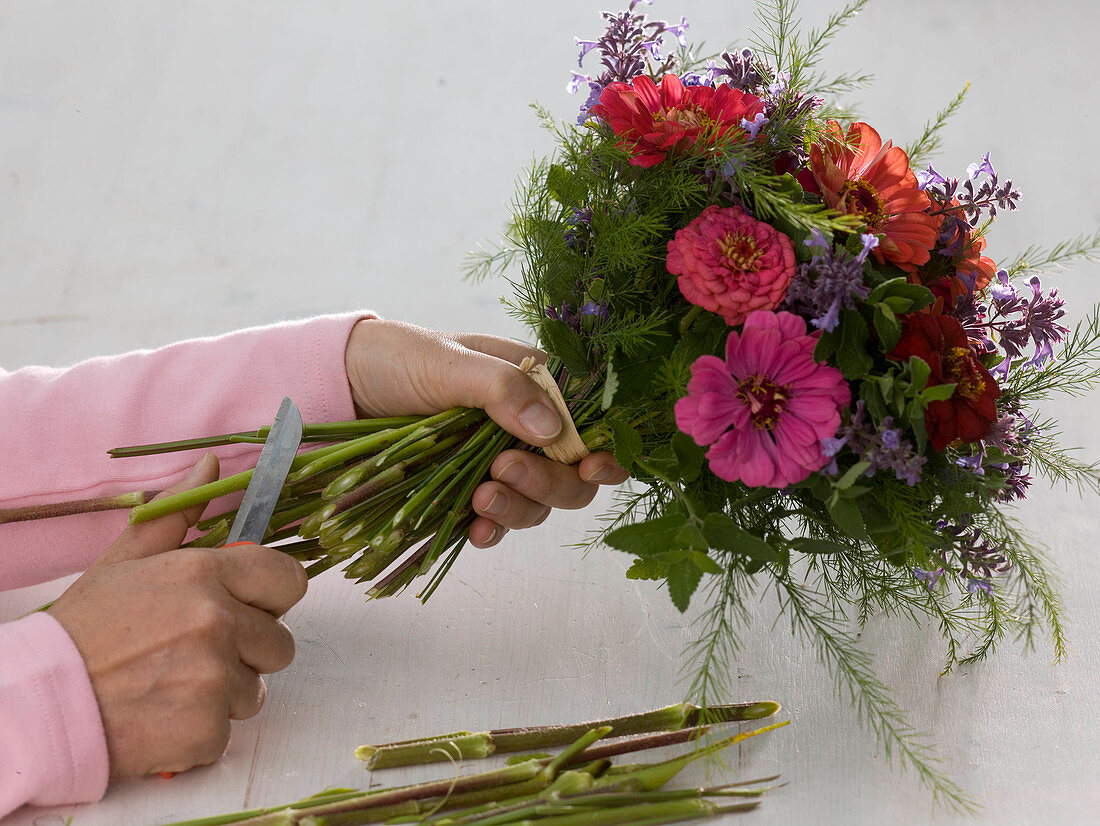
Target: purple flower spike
{"x":976,"y":169}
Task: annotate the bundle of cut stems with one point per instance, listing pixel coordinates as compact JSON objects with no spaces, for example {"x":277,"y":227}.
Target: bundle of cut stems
{"x":365,"y":497}
{"x":578,"y":787}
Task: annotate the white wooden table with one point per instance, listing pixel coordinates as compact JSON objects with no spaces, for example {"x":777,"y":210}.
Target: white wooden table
{"x":289,"y":158}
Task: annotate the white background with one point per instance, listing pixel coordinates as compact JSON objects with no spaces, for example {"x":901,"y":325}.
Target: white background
{"x":182,"y":168}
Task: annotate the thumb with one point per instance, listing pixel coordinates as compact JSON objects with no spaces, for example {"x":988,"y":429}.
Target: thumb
{"x":510,"y":397}
{"x":168,"y":532}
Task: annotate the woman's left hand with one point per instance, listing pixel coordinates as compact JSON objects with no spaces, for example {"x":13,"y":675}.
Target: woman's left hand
{"x":396,"y":368}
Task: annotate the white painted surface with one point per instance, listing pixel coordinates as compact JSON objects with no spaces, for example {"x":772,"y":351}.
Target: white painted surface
{"x":182,"y":168}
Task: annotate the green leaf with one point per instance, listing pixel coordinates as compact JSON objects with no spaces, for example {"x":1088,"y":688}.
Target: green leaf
{"x":808,"y":545}
{"x":847,"y":516}
{"x":647,"y":568}
{"x":683,"y":579}
{"x":852,"y":474}
{"x":826,"y":345}
{"x":647,"y":538}
{"x":723,"y":533}
{"x":610,"y":384}
{"x":882,"y":290}
{"x":937,"y":393}
{"x":559,"y":181}
{"x":628,"y":444}
{"x":689,"y":455}
{"x":920,"y":371}
{"x":871,"y":393}
{"x":852,"y":358}
{"x":561,"y":340}
{"x":704,"y":563}
{"x":692,"y":538}
{"x":887,"y":326}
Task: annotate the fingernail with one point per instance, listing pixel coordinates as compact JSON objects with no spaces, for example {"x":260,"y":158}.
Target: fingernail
{"x":540,"y":421}
{"x":514,"y":474}
{"x":496,"y":505}
{"x":199,"y":469}
{"x":599,"y":474}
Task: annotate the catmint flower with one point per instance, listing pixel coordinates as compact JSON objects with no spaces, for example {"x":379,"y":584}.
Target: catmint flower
{"x":739,"y":71}
{"x":929,"y":578}
{"x":929,"y":177}
{"x":754,"y":126}
{"x":829,"y":282}
{"x":629,"y":38}
{"x":881,"y":445}
{"x":982,"y":166}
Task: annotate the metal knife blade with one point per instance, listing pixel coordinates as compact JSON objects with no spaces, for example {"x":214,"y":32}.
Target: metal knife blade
{"x":267,"y":480}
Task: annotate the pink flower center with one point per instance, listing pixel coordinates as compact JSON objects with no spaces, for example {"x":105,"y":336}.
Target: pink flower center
{"x":740,"y":252}
{"x":860,"y":198}
{"x":766,"y":400}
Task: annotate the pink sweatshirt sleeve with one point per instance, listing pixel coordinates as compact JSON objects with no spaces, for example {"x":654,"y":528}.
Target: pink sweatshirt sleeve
{"x":56,"y":426}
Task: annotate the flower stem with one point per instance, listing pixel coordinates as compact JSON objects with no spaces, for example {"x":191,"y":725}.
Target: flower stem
{"x":75,"y":506}
{"x":471,"y":745}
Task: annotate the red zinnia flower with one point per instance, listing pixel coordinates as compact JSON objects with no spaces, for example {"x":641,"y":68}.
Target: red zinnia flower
{"x":653,"y":121}
{"x":971,"y":411}
{"x":860,"y":175}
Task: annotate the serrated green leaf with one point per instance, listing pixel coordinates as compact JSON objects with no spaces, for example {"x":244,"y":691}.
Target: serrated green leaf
{"x":887,"y":327}
{"x":647,"y":568}
{"x":683,"y":579}
{"x":883,"y":289}
{"x":691,"y":537}
{"x":610,"y":384}
{"x":558,"y":183}
{"x":704,"y":563}
{"x":852,"y":357}
{"x":647,"y":538}
{"x":627,"y":443}
{"x":826,"y":345}
{"x":847,"y":516}
{"x":561,"y":340}
{"x":871,"y":394}
{"x":897,"y":304}
{"x":920,"y":371}
{"x":689,"y":455}
{"x":937,"y":393}
{"x":809,"y":545}
{"x":723,"y":533}
{"x":853,"y":473}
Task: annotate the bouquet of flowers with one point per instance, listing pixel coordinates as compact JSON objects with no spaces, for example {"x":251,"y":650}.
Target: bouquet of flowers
{"x":787,"y":330}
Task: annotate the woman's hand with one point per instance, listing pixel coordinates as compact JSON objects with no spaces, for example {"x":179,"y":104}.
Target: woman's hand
{"x":175,"y":639}
{"x":396,"y":368}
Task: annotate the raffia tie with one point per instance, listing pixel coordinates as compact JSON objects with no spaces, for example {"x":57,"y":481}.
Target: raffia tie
{"x":569,"y":447}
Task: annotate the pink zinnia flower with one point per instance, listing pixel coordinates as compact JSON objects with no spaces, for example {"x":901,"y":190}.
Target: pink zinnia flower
{"x":766,"y":409}
{"x":731,"y":264}
{"x":651,"y":121}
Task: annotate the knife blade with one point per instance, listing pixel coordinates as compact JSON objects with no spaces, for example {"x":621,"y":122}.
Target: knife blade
{"x":266,"y":484}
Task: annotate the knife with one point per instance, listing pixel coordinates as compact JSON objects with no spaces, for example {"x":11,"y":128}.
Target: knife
{"x":266,"y":484}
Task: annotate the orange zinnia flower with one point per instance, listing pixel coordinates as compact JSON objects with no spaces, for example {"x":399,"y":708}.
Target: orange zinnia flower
{"x":860,"y":175}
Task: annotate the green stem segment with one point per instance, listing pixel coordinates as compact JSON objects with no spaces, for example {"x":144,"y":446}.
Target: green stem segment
{"x":75,"y":506}
{"x":476,"y":745}
{"x":532,"y":792}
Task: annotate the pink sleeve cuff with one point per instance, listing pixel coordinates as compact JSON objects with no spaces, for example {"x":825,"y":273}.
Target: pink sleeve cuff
{"x":52,"y":746}
{"x":201,"y":387}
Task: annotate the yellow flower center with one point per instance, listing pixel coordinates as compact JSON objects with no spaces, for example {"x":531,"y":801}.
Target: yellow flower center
{"x":960,"y":368}
{"x":860,"y":198}
{"x":740,"y":252}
